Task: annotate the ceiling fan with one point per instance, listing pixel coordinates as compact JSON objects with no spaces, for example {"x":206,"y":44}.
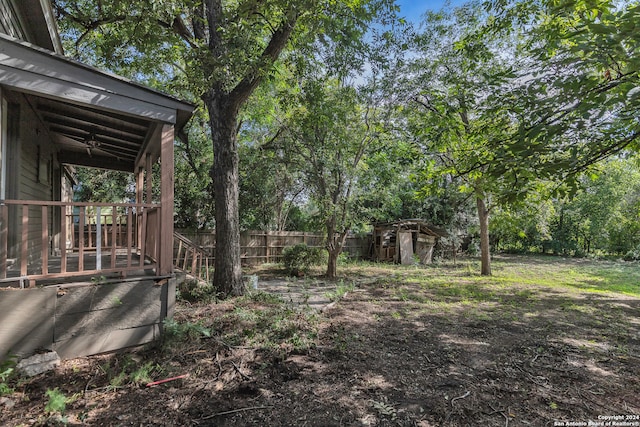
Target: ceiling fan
{"x":91,"y":142}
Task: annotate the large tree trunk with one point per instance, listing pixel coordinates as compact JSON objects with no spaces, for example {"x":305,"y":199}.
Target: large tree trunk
{"x":485,"y":254}
{"x":223,"y":117}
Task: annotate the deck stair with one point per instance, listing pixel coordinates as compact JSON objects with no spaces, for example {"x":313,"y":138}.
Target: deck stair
{"x":191,"y":258}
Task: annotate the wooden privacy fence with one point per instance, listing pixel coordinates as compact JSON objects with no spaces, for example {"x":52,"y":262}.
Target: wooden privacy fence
{"x":259,"y":247}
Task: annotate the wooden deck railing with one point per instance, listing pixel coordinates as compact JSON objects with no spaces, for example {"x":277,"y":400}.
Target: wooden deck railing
{"x":191,"y":257}
{"x":46,"y":239}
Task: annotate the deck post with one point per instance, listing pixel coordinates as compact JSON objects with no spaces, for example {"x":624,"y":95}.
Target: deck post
{"x":149,"y":179}
{"x":98,"y":238}
{"x":81,"y":221}
{"x":25,"y":240}
{"x":139,"y":200}
{"x":4,"y":232}
{"x":165,"y":258}
{"x":63,"y":239}
{"x":129,"y":235}
{"x":114,"y":236}
{"x":45,"y":240}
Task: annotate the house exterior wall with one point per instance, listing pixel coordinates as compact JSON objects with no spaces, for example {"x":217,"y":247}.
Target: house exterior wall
{"x":32,"y":169}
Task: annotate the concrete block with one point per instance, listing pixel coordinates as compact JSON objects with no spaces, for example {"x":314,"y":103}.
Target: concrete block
{"x":38,"y":363}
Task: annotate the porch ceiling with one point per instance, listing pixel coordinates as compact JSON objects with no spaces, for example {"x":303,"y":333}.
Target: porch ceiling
{"x":91,"y":137}
{"x":95,"y":118}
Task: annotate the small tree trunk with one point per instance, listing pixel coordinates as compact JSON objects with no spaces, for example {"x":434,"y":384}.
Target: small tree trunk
{"x":332,"y":264}
{"x":335,"y":243}
{"x":227,"y":277}
{"x":332,"y":249}
{"x":485,"y":254}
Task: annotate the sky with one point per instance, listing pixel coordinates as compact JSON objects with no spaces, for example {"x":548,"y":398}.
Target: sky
{"x":413,"y":9}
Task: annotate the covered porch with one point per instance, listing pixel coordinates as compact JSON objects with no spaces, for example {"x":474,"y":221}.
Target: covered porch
{"x":82,"y":277}
{"x":82,"y":117}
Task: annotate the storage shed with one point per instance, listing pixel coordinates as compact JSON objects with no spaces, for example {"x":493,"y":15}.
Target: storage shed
{"x":400,"y":240}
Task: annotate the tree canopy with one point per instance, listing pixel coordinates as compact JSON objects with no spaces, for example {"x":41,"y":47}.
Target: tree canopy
{"x":331,"y":115}
{"x":217,"y":53}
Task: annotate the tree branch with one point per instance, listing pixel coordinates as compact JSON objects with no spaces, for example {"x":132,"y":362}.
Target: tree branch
{"x":426,"y":105}
{"x":179,"y":27}
{"x":605,"y":152}
{"x":278,"y":41}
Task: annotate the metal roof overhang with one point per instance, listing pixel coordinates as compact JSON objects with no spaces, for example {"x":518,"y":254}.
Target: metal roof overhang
{"x":95,"y":119}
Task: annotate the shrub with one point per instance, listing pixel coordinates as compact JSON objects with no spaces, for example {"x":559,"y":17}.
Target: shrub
{"x":299,"y":258}
{"x":633,"y":254}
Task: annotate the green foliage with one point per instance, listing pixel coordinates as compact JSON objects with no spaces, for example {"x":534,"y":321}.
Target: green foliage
{"x":143,"y":374}
{"x":633,"y":254}
{"x":218,"y":53}
{"x":103,"y":186}
{"x":181,"y":331}
{"x":299,"y":258}
{"x":272,"y":325}
{"x":7,"y":370}
{"x":194,"y":205}
{"x":127,"y":370}
{"x":56,"y":401}
{"x":341,"y":290}
{"x":473,"y":111}
{"x":601,"y":216}
{"x":263,"y":297}
{"x":194,"y":291}
{"x":99,"y":280}
{"x":586,"y":109}
{"x":455,"y":113}
{"x":331,"y":129}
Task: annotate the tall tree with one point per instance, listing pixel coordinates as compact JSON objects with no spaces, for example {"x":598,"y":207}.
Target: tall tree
{"x":194,"y":205}
{"x":218,"y":51}
{"x":457,"y":116}
{"x":269,"y":182}
{"x":330,"y":131}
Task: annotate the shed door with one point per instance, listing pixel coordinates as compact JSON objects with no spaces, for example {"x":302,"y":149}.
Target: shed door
{"x":406,"y":247}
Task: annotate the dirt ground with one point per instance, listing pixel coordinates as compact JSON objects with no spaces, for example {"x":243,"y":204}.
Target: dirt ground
{"x":396,"y":350}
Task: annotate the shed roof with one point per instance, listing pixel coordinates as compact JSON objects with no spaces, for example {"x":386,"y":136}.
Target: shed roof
{"x":419,"y":224}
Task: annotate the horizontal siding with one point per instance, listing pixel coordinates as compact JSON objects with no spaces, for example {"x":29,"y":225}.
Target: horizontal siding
{"x":34,"y":151}
{"x":9,"y":22}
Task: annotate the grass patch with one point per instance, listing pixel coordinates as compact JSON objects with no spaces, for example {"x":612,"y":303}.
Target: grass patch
{"x":516,"y":271}
{"x":520,"y":289}
{"x":262,"y":320}
{"x":341,"y":290}
{"x":125,"y":370}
